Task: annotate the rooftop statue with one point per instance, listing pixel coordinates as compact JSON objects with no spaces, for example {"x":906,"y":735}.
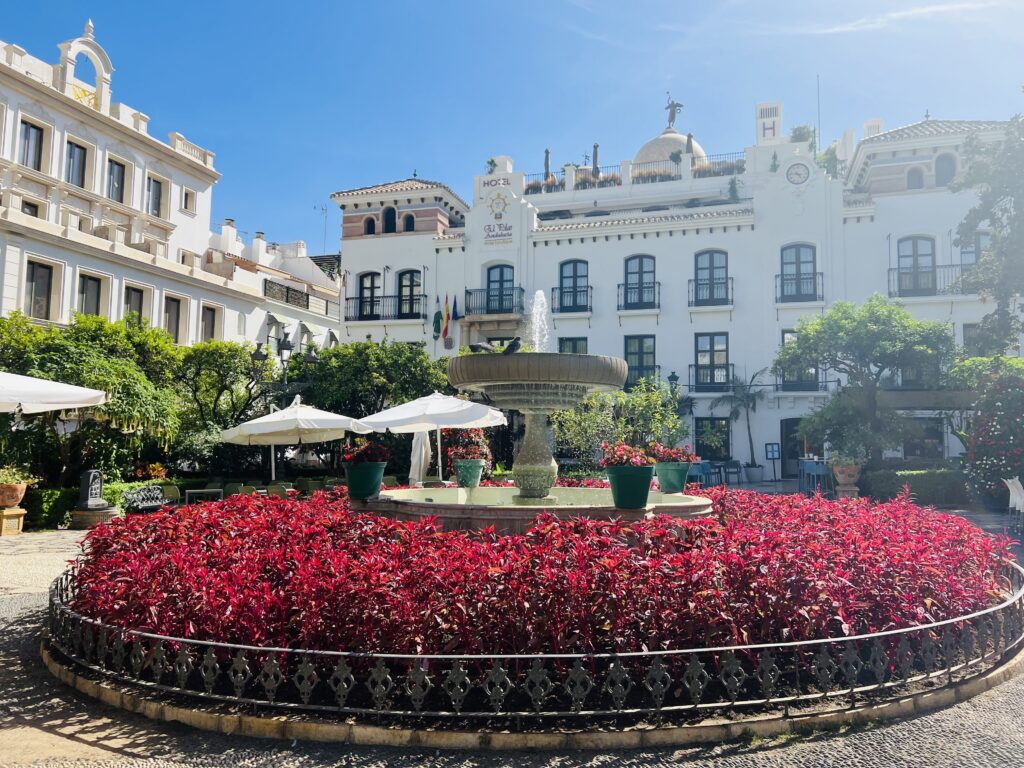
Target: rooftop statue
{"x":673,"y":108}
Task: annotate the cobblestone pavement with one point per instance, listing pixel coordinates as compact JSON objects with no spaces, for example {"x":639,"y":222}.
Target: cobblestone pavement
{"x":43,"y":723}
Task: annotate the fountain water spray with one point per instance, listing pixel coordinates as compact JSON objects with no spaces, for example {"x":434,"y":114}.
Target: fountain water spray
{"x":537,"y":331}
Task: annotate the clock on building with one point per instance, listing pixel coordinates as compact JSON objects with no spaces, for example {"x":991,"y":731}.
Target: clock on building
{"x":798,"y":173}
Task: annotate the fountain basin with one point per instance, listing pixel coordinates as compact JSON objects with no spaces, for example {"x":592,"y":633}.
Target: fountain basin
{"x":474,"y":508}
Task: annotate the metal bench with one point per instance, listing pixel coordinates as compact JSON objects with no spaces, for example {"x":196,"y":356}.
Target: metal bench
{"x":149,"y":498}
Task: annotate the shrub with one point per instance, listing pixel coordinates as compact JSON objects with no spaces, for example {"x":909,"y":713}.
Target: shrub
{"x":48,"y":507}
{"x":996,"y":447}
{"x":313,"y":574}
{"x":933,"y":487}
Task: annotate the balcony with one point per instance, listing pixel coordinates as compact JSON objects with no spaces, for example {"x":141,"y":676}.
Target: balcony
{"x":812,"y":381}
{"x":656,"y":171}
{"x":725,"y":164}
{"x":639,"y":296}
{"x":494,"y":301}
{"x":567,"y":300}
{"x":636,"y":372}
{"x":370,"y":308}
{"x":298,"y":298}
{"x":942,"y":280}
{"x":797,"y":288}
{"x":710,"y":293}
{"x":711,"y":378}
{"x":606,"y":176}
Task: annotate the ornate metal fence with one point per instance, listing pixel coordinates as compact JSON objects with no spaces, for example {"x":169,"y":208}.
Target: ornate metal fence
{"x":520,"y":689}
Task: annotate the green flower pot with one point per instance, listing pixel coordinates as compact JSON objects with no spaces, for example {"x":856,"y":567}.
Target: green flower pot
{"x":468,"y":471}
{"x":630,"y":485}
{"x":672,"y":475}
{"x":364,"y":478}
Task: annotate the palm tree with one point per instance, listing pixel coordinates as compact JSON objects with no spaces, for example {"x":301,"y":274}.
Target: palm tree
{"x":743,"y":397}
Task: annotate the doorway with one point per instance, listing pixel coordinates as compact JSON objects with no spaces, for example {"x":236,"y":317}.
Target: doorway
{"x":793,"y":447}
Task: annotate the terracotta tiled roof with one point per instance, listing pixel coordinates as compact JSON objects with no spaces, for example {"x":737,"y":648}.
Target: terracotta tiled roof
{"x":401,"y":187}
{"x":929,"y":128}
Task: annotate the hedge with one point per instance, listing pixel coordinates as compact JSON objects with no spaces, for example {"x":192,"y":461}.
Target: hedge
{"x":51,"y":507}
{"x":938,"y":487}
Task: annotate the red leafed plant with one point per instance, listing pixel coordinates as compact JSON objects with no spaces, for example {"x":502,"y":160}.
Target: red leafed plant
{"x":366,"y":451}
{"x":661,"y":452}
{"x":314,"y":574}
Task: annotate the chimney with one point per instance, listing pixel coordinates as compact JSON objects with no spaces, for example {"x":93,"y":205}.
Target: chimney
{"x":872,"y":127}
{"x":768,"y":123}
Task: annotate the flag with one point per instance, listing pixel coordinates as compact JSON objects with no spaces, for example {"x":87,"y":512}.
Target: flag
{"x":437,"y":318}
{"x":447,"y":317}
{"x":455,"y":308}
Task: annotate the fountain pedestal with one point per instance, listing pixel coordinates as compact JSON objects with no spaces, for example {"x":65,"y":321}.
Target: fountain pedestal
{"x":534,"y":469}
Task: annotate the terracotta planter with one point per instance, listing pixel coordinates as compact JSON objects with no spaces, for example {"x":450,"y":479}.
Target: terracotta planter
{"x":846,"y":474}
{"x":11,"y":494}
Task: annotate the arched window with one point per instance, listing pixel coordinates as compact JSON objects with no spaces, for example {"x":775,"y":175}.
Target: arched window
{"x":390,"y":219}
{"x":369,"y":296}
{"x":640,"y":290}
{"x":945,"y":169}
{"x":410,"y":293}
{"x":573,"y":287}
{"x":501,"y":291}
{"x":408,"y":223}
{"x":799,"y":278}
{"x":710,"y":278}
{"x":915,"y":178}
{"x":916,"y":270}
{"x":369,"y":226}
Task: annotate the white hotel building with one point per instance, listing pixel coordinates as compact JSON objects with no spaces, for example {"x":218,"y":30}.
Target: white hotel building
{"x":99,"y":217}
{"x":691,"y":266}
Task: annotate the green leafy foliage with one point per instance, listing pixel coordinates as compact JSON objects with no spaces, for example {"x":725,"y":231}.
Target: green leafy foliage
{"x":933,"y":487}
{"x":741,"y":400}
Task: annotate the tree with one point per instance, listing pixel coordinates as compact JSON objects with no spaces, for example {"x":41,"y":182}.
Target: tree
{"x":996,"y":172}
{"x":866,"y":344}
{"x":742,"y":399}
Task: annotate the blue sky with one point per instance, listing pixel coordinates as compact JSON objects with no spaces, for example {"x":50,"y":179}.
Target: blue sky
{"x":301,"y":99}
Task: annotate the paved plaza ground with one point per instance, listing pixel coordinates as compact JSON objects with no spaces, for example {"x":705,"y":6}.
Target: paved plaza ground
{"x":46,"y":724}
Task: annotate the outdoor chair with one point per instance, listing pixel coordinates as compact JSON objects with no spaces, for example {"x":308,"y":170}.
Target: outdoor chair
{"x":819,"y":476}
{"x":731,"y":469}
{"x":1016,"y":505}
{"x":390,"y":481}
{"x":149,"y":498}
{"x":232,"y":488}
{"x":277,"y":490}
{"x":172,"y":495}
{"x":302,"y":484}
{"x":247,"y":490}
{"x":700,"y":473}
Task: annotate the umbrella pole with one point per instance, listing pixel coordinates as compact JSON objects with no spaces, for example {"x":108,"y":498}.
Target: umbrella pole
{"x":440,"y":464}
{"x":273,"y":464}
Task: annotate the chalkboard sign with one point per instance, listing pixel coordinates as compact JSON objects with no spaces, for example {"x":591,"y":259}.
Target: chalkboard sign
{"x":772,"y":451}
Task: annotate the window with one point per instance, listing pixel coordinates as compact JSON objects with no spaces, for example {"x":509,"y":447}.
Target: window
{"x":89,"y":290}
{"x":38,"y":289}
{"x":154,"y":196}
{"x":29,"y":208}
{"x":573,"y":287}
{"x":711,"y":278}
{"x":712,"y":371}
{"x":915,"y":178}
{"x":369,"y":296}
{"x":945,"y":169}
{"x":501,"y":291}
{"x":640,"y":356}
{"x":640,"y":288}
{"x":188,"y":200}
{"x":805,"y":380}
{"x":31,"y":146}
{"x":115,"y":180}
{"x":410,"y":298}
{"x":369,"y":226}
{"x":74,"y":170}
{"x":971,"y":249}
{"x":712,"y":438}
{"x":208,"y":323}
{"x":572,"y":345}
{"x":408,"y":223}
{"x":134,"y":298}
{"x":927,"y":440}
{"x":390,"y":221}
{"x":799,"y":279}
{"x":172,"y":317}
{"x":916,"y":270}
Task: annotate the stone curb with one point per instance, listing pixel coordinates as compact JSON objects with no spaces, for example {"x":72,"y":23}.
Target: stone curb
{"x":357,"y":734}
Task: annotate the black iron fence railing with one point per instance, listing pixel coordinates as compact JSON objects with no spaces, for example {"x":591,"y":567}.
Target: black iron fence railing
{"x":934,"y":281}
{"x":711,"y":378}
{"x":538,"y":182}
{"x":803,"y":287}
{"x":572,"y":299}
{"x":724,"y":164}
{"x":494,"y":301}
{"x":521,"y":690}
{"x":285,"y":294}
{"x":399,"y":307}
{"x":640,"y":295}
{"x":636,"y":372}
{"x":709,"y":293}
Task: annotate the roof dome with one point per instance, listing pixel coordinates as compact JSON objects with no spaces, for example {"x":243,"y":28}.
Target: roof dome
{"x":663,"y":145}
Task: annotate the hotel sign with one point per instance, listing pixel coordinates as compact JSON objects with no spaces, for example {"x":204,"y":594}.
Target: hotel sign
{"x":499,"y":230}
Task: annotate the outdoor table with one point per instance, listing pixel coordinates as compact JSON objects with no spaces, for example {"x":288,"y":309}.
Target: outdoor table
{"x":217,"y":493}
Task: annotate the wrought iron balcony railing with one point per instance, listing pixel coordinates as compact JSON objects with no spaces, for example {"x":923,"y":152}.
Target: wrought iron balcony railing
{"x":494,"y":301}
{"x":636,"y":372}
{"x":640,"y":295}
{"x":710,"y":293}
{"x":711,"y":378}
{"x":400,"y":307}
{"x":572,"y":299}
{"x":934,"y":281}
{"x":804,"y":287}
{"x":301,"y":299}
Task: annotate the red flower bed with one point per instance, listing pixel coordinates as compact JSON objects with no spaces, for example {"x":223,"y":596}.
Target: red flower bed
{"x":313,"y":574}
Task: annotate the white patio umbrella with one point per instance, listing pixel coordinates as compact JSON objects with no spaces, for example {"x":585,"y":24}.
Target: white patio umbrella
{"x":34,"y":395}
{"x":420,"y":457}
{"x":297,"y":424}
{"x":436,"y":412}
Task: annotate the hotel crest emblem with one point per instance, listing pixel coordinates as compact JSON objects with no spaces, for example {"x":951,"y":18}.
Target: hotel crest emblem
{"x":498,"y":205}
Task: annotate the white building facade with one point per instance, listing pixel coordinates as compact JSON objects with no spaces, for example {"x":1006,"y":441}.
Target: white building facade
{"x":694,"y":267}
{"x":99,"y":217}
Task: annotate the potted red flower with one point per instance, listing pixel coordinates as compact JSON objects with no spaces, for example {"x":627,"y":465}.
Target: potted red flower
{"x":364,"y":468}
{"x":672,"y":466}
{"x":629,"y":471}
{"x":470,"y":461}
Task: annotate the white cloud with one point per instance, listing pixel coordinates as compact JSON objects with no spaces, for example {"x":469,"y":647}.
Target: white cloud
{"x":883,"y":20}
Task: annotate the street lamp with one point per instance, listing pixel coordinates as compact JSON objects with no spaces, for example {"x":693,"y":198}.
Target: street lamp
{"x":673,"y":381}
{"x":285,"y":347}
